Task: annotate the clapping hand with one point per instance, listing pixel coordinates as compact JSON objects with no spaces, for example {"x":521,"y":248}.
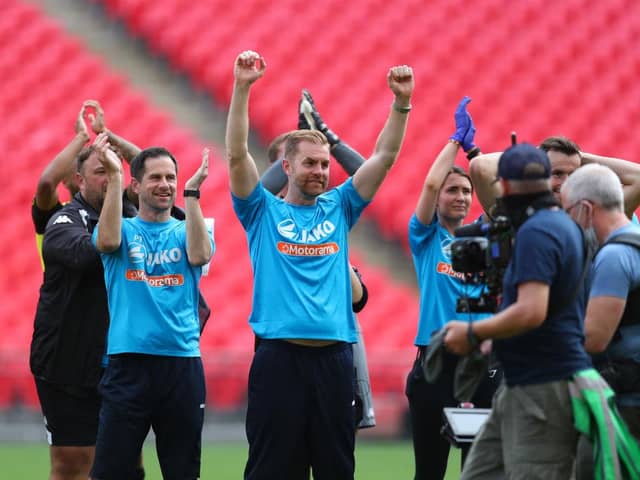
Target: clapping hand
{"x":107,"y":157}
{"x":201,"y":174}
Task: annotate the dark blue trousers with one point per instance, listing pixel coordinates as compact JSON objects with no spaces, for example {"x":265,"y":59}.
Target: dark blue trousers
{"x":301,"y":412}
{"x":149,"y":391}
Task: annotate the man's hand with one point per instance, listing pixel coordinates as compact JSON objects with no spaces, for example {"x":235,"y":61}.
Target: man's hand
{"x":400,"y":81}
{"x":80,"y":126}
{"x":456,"y":339}
{"x":249,"y":67}
{"x":201,"y":174}
{"x":97,"y":120}
{"x":107,"y":157}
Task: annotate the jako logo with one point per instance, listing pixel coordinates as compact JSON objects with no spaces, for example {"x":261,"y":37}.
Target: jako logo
{"x":138,"y":254}
{"x":165,"y":256}
{"x":287,"y":228}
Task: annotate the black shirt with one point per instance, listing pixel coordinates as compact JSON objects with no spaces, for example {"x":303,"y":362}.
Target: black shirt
{"x":72,"y":315}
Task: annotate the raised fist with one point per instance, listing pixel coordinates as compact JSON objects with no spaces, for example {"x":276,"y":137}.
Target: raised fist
{"x":400,"y":81}
{"x":249,"y":67}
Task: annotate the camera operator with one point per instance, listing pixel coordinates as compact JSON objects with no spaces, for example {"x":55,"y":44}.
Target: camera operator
{"x":593,"y":196}
{"x":442,"y":207}
{"x":538,"y":333}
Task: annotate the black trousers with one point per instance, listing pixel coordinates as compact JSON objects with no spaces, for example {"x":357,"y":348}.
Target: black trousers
{"x":301,"y":412}
{"x":426,"y":401}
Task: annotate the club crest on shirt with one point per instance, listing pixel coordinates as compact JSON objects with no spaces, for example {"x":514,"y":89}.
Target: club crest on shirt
{"x":137,"y":252}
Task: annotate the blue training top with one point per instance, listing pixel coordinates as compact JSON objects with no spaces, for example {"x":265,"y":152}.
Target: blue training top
{"x":440,"y":286}
{"x":299,"y":255}
{"x":615,"y":273}
{"x":152,"y":290}
{"x":548,"y":248}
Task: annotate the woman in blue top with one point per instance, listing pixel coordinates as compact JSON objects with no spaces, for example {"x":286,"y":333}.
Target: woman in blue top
{"x":442,"y":207}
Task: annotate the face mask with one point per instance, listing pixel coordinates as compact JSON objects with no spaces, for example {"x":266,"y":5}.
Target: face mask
{"x":518,"y":208}
{"x":591,"y":240}
{"x":590,"y":236}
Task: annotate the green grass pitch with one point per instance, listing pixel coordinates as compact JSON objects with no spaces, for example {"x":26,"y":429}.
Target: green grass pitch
{"x":225,"y":461}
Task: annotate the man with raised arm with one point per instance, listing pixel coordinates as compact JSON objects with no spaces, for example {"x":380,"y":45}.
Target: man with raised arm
{"x":301,"y":385}
{"x":152,"y":265}
{"x":62,"y":169}
{"x":565,"y":157}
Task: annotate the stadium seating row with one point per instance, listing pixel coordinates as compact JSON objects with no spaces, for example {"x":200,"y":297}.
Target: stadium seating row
{"x":495,"y":52}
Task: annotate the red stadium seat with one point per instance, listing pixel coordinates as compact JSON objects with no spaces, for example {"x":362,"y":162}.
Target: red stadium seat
{"x":585,"y":86}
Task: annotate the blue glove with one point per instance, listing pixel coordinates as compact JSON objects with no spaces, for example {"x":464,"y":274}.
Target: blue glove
{"x":467,"y":141}
{"x":463,"y":121}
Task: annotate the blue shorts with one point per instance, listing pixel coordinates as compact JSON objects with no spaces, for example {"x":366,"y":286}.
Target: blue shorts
{"x":143,"y":391}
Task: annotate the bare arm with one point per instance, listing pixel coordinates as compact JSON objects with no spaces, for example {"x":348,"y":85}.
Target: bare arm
{"x":370,"y":175}
{"x":61,"y":167}
{"x":126,"y":149}
{"x":527,"y":313}
{"x":601,"y":321}
{"x":243,"y":173}
{"x":629,"y":174}
{"x":198,"y":242}
{"x":110,"y":221}
{"x":426,"y":208}
{"x":483,"y":170}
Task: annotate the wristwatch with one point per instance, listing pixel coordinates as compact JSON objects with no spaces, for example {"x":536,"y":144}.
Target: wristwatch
{"x":191,"y":193}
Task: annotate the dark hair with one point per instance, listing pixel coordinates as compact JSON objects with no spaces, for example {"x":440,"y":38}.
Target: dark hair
{"x":83,"y":156}
{"x":137,"y":164}
{"x":297,"y":136}
{"x":459,"y":171}
{"x":274,"y":146}
{"x":560,"y":144}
